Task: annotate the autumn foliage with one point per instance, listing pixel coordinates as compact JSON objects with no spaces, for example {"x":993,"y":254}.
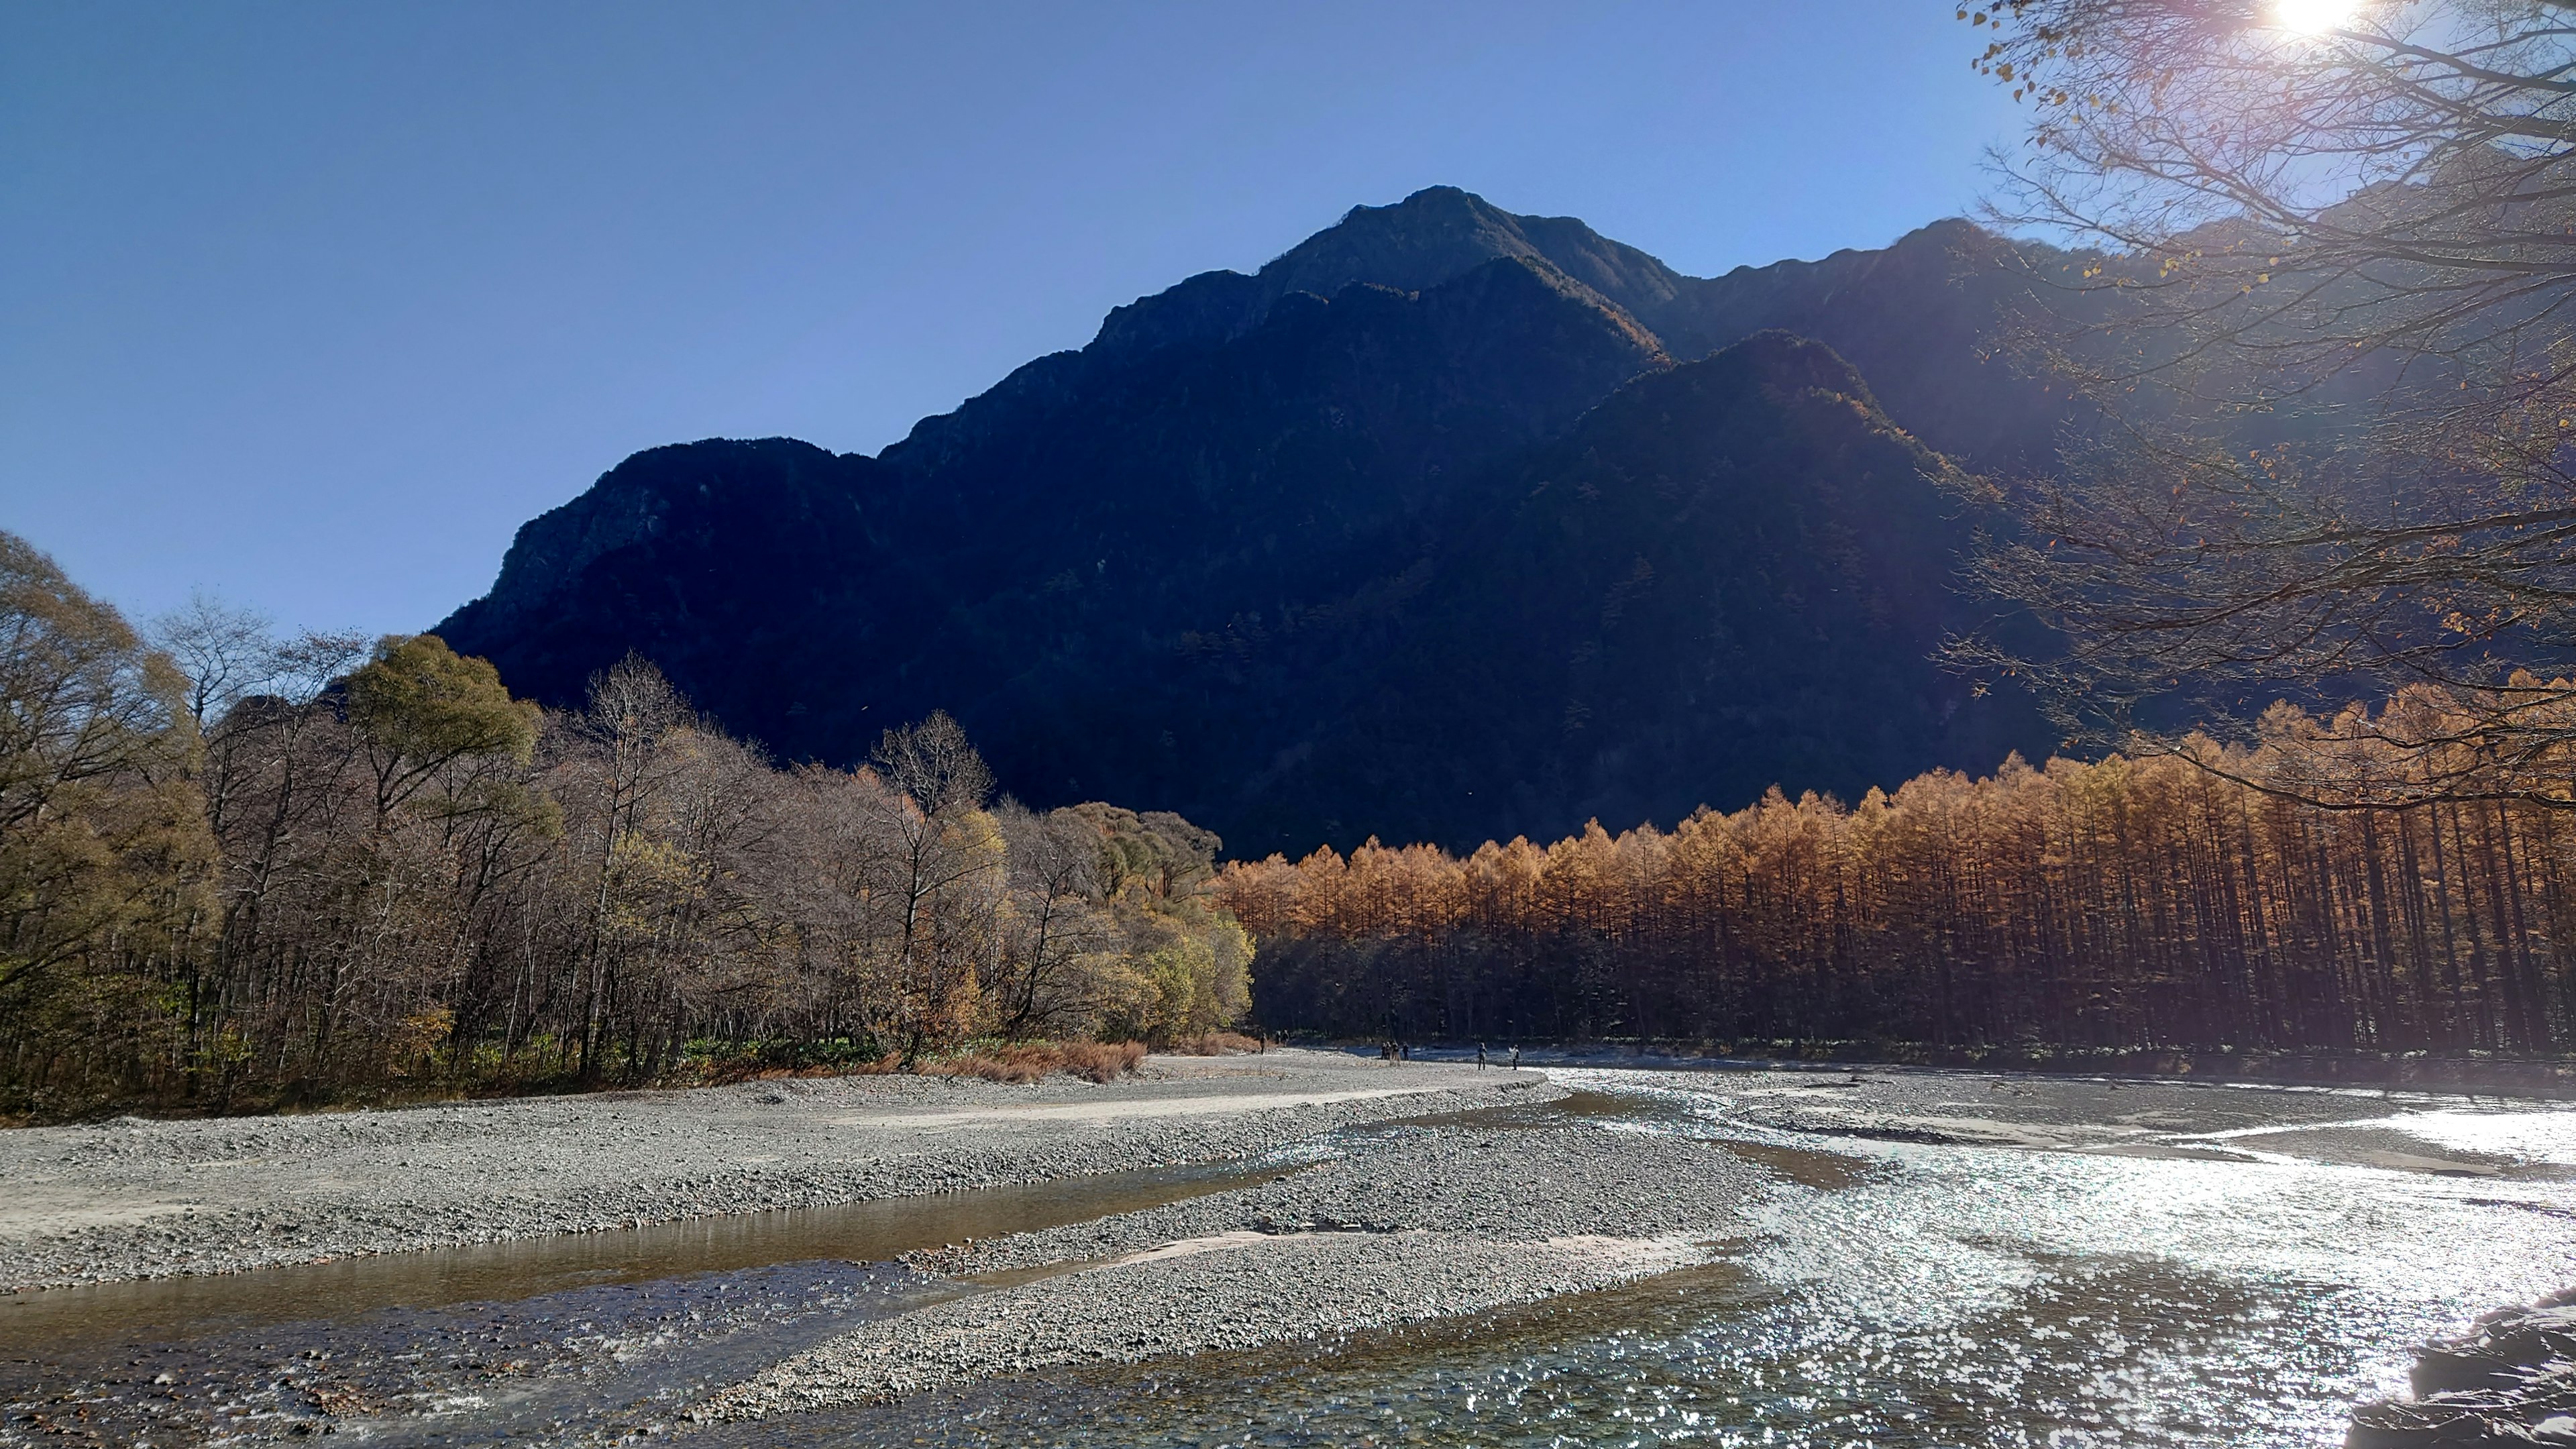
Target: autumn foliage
{"x":237,"y":871}
{"x":2160,"y":902}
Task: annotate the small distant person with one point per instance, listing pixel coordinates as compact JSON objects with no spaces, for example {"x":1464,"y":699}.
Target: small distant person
{"x":1516,"y":1056}
{"x":1480,"y":1056}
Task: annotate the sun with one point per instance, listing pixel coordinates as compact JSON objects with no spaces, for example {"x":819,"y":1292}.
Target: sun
{"x":2314,"y":17}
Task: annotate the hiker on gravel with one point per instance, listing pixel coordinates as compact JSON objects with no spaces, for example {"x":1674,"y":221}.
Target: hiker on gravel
{"x":1516,"y":1056}
{"x":1480,"y":1056}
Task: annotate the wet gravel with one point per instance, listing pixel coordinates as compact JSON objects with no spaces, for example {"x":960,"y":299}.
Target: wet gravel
{"x":1937,"y":1291}
{"x":139,"y":1199}
{"x":1980,"y":1109}
{"x":582,"y":1366}
{"x":1413,"y":1224}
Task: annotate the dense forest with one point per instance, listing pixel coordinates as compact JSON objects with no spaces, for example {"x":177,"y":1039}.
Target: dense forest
{"x":238,"y":870}
{"x":2205,"y":899}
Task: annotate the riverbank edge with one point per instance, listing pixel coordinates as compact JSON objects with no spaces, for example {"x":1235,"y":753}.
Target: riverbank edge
{"x":978,"y":1060}
{"x":248,"y":1237}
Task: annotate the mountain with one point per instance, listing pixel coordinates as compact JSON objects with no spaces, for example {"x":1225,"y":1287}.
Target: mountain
{"x":1915,"y":317}
{"x":1446,"y":522}
{"x":1728,"y":575}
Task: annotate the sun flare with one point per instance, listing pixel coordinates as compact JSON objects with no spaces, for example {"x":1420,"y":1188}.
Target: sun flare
{"x":2314,"y":17}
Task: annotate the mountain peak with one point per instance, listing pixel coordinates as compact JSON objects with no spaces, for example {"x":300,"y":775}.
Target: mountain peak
{"x":1435,"y":235}
{"x":1429,"y":237}
{"x":1447,"y":230}
{"x":1430,"y":201}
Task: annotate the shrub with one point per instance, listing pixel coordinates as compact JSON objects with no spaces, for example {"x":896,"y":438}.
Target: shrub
{"x":1021,"y":1062}
{"x":1216,"y":1044}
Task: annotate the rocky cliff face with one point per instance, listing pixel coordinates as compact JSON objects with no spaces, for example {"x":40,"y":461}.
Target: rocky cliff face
{"x":1418,"y":531}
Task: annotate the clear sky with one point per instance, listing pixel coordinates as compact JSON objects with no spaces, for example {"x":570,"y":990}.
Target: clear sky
{"x":311,"y":305}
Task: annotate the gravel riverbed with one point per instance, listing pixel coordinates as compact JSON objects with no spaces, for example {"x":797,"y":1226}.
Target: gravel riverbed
{"x":1423,"y":1222}
{"x":134,"y":1198}
{"x":1894,"y":1256}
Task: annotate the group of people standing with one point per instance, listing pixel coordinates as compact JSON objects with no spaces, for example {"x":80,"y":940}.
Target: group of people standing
{"x":1395,"y":1050}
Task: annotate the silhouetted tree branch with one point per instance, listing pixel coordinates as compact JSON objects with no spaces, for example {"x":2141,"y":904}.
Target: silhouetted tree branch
{"x":2330,"y":332}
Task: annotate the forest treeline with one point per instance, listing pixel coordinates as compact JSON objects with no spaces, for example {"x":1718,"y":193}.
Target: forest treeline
{"x":237,"y":870}
{"x":2207,"y":899}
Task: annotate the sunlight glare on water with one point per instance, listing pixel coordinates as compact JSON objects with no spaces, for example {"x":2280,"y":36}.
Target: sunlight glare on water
{"x":1951,"y":1296}
{"x":2196,"y":1284}
{"x":2539,"y":1137}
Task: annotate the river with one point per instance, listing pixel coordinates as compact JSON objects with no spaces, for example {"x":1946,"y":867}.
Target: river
{"x":1932,"y":1276}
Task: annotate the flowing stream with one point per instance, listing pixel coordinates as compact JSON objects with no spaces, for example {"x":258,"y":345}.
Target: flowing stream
{"x":2237,"y":1287}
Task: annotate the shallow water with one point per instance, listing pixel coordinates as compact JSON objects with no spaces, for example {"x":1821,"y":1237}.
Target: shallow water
{"x":1884,"y":1292}
{"x":547,"y":1338}
{"x":1934,"y":1295}
{"x":863,"y":1232}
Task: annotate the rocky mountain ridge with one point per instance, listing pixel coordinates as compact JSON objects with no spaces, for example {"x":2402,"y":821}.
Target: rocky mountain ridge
{"x":1446,"y":522}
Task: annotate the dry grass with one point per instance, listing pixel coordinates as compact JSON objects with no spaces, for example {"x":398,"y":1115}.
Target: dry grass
{"x":1216,"y":1044}
{"x":886,"y":1065}
{"x":1036,"y":1061}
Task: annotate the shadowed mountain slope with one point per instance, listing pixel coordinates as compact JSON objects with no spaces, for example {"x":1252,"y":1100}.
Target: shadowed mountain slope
{"x":1055,"y":531}
{"x":1728,"y":575}
{"x":1916,"y":317}
{"x":1418,"y":531}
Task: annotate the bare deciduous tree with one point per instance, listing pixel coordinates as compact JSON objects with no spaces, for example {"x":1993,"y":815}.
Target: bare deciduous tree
{"x":227,"y":654}
{"x":382,"y":869}
{"x":2331,"y":330}
{"x":1061,"y":969}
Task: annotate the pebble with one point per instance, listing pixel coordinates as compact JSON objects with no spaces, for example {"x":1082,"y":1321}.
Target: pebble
{"x":1427,"y":1222}
{"x":227,"y":1195}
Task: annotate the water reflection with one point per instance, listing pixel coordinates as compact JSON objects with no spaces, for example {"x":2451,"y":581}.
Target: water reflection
{"x":578,"y":1365}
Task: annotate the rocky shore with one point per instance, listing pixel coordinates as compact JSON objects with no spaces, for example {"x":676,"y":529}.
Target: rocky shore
{"x":140,"y":1199}
{"x":1423,"y":1222}
{"x":1266,"y":1214}
{"x":2510,"y":1380}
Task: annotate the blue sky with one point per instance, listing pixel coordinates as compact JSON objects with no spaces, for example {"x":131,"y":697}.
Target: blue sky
{"x":311,"y":306}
